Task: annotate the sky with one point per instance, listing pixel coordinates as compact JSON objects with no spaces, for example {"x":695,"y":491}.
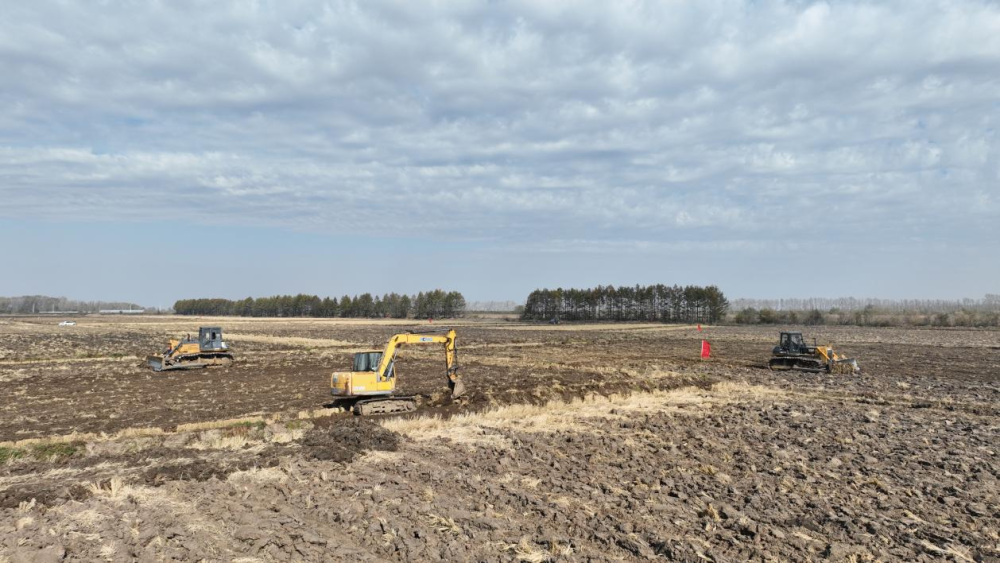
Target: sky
{"x":165,"y":150}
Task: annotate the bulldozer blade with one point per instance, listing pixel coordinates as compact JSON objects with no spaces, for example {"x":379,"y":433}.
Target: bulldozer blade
{"x":848,"y":367}
{"x":155,"y":362}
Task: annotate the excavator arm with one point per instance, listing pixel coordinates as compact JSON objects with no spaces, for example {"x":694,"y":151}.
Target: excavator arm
{"x":450,"y":352}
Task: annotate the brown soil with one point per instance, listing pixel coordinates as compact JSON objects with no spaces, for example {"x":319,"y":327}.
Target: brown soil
{"x":718,"y":459}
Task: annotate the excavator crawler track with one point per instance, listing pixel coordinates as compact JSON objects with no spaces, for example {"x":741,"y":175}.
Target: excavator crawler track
{"x":386,"y":405}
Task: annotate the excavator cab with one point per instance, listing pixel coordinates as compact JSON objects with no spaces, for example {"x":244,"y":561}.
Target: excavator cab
{"x":367,"y":361}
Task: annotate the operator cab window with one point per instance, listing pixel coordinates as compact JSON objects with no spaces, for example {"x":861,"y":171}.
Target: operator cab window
{"x":367,"y":361}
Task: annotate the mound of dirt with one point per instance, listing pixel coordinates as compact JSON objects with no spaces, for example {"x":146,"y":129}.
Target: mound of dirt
{"x":346,"y":439}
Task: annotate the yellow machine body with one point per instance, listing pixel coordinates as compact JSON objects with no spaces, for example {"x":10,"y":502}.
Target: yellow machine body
{"x":209,"y":349}
{"x":182,"y":347}
{"x":793,"y":353}
{"x":374,"y":373}
{"x":361,"y":383}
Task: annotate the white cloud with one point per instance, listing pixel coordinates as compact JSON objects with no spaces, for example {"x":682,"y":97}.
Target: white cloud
{"x":514,"y":122}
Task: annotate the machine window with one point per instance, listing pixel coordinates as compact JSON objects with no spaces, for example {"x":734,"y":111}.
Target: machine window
{"x":367,"y":362}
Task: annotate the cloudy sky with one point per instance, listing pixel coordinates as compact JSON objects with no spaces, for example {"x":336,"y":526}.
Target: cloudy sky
{"x":153,"y":151}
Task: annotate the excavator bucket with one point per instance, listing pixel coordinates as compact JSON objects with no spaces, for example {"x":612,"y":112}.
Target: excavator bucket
{"x":457,"y":388}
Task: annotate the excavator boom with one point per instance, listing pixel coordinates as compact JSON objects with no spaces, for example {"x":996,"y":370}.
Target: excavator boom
{"x":450,"y":353}
{"x":371,"y":386}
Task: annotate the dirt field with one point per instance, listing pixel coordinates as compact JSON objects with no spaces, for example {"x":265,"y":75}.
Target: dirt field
{"x":577,"y":443}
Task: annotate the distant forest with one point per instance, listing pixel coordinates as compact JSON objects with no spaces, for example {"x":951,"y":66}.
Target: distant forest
{"x":430,"y":304}
{"x":991,"y":302}
{"x":870,"y":312}
{"x":30,"y":304}
{"x":493,"y":306}
{"x":662,"y":303}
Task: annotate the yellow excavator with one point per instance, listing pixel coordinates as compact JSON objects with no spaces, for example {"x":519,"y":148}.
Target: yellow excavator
{"x":793,"y":353}
{"x":187,"y":353}
{"x":370,"y":387}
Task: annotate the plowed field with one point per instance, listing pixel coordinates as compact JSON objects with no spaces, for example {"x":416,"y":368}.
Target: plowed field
{"x":576,"y":443}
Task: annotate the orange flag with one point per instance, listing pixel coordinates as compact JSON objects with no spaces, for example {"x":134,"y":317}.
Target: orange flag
{"x":699,"y":328}
{"x":706,"y":349}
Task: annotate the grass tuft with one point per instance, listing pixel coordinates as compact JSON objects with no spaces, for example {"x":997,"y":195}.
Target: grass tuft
{"x":444,"y":524}
{"x":55,"y":450}
{"x":526,"y":551}
{"x":8,"y":454}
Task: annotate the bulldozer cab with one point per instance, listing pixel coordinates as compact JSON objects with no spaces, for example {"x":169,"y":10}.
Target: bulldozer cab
{"x":792,"y":343}
{"x":210,"y":338}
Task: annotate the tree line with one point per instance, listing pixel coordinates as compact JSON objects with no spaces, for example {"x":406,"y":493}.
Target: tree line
{"x":657,"y":303}
{"x":493,"y":306}
{"x":989,"y":303}
{"x":424,"y":305}
{"x":870,"y":315}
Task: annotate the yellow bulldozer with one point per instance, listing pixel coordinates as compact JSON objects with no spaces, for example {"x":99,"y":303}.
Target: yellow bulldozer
{"x":370,"y":386}
{"x":793,"y":353}
{"x":187,"y":353}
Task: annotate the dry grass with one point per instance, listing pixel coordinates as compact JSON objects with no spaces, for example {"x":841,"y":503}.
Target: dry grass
{"x":215,"y":424}
{"x":485,"y":427}
{"x":217,"y":440}
{"x":115,"y":358}
{"x":318,"y":413}
{"x":257,"y":475}
{"x":529,"y":552}
{"x":84,"y":437}
{"x":116,"y":489}
{"x":378,"y":457}
{"x":710,"y":512}
{"x":297,"y":341}
{"x":745,"y":391}
{"x":444,"y":524}
{"x":605,"y":327}
{"x":24,"y":522}
{"x":288,"y":432}
{"x":530,"y":482}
